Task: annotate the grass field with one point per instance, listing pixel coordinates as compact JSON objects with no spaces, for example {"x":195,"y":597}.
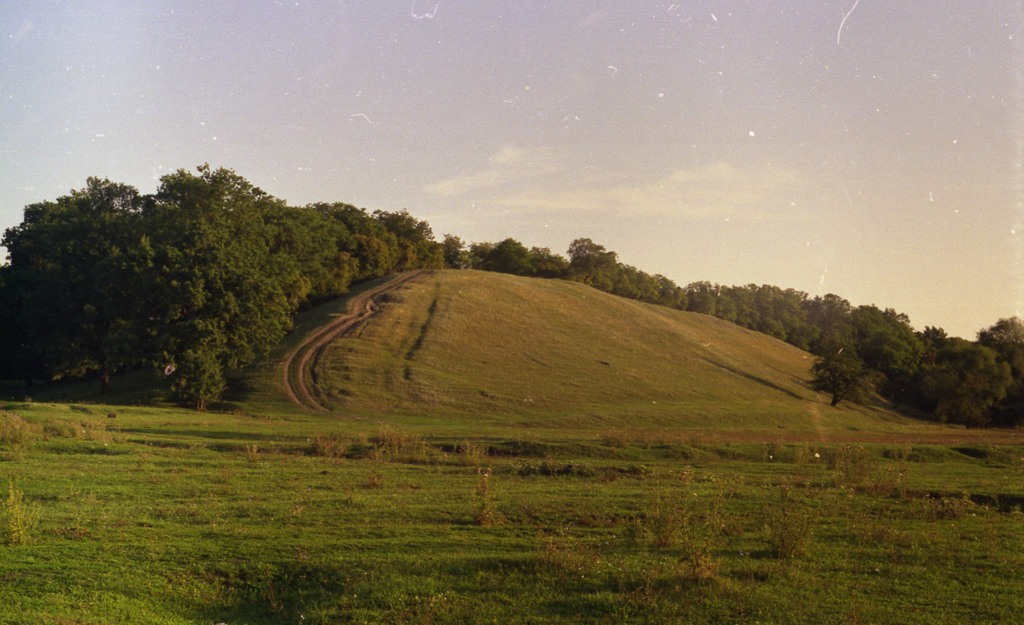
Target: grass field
{"x":475,"y":509}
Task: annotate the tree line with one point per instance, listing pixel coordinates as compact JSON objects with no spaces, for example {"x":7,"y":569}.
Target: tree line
{"x":205,"y":275}
{"x":861,"y":350}
{"x":196,"y":280}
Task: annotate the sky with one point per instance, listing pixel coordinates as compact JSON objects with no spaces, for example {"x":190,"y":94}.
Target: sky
{"x":868,"y":148}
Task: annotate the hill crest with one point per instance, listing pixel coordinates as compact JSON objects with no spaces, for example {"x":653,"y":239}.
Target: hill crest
{"x":552,"y":353}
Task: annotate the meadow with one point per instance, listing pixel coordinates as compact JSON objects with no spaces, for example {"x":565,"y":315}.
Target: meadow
{"x":165,"y":516}
{"x":475,"y":508}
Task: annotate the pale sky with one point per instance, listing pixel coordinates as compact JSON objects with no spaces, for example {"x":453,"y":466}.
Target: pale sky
{"x":868,"y":148}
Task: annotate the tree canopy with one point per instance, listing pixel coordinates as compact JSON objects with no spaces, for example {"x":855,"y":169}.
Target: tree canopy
{"x":196,"y":280}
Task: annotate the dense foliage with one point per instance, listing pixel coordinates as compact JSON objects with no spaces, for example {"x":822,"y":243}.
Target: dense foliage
{"x":204,"y":276}
{"x":196,"y":280}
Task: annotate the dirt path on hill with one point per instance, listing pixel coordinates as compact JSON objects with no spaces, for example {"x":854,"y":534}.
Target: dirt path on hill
{"x":299,"y":367}
{"x":816,"y":422}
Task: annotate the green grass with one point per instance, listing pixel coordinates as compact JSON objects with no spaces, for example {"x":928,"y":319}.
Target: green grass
{"x":166,"y":516}
{"x":466,"y":348}
{"x":404,"y":506}
{"x":511,"y":350}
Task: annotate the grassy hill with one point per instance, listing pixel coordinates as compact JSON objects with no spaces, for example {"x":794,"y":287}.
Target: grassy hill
{"x":479,"y":354}
{"x":501,"y":350}
{"x":516,"y":451}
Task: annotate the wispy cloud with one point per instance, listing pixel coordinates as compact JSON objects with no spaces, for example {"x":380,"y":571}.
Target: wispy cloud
{"x":510,"y":165}
{"x":520,"y":180}
{"x":26,"y":27}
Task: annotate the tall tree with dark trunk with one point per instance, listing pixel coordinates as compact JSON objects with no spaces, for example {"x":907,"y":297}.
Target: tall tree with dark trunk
{"x":219,"y":295}
{"x":887,"y":344}
{"x":841,"y":372}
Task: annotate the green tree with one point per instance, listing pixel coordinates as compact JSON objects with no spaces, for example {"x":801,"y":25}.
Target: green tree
{"x":702,"y":297}
{"x":509,"y":256}
{"x":670,"y":294}
{"x":478,"y":253}
{"x":62,"y":260}
{"x":414,"y":241}
{"x":315,"y":249}
{"x":547,"y":264}
{"x":592,"y":264}
{"x":888,"y":344}
{"x":965,"y":383}
{"x":782,"y":313}
{"x":726,"y":306}
{"x":885,"y":340}
{"x":829,"y":315}
{"x":220,"y":297}
{"x":841,"y":372}
{"x":454,"y":252}
{"x":362,"y":239}
{"x":1006,"y":337}
{"x":21,"y":358}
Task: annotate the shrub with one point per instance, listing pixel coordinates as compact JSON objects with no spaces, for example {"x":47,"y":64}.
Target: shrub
{"x":946,"y":508}
{"x":17,"y":519}
{"x":390,"y":440}
{"x":787,"y":526}
{"x":698,"y":535}
{"x":332,"y":445}
{"x":393,"y":444}
{"x":615,"y":438}
{"x":85,"y":429}
{"x":471,"y":452}
{"x":252,"y":453}
{"x":685,"y":524}
{"x":55,"y":428}
{"x":851,"y":465}
{"x":15,"y":432}
{"x":486,"y":513}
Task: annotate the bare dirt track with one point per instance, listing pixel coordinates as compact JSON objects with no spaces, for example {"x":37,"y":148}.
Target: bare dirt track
{"x":300,"y":364}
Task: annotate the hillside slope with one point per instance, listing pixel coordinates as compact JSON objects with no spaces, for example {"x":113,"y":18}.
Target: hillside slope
{"x":548,"y":353}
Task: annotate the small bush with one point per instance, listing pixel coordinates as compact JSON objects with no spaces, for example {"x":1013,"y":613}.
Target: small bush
{"x":392,"y":441}
{"x":699,"y":563}
{"x":890,"y":481}
{"x":615,"y":438}
{"x":683,"y":524}
{"x":332,"y":445}
{"x":252,"y":453}
{"x":899,"y":544}
{"x":549,"y":468}
{"x":947,"y":508}
{"x":486,"y":513}
{"x":787,"y":526}
{"x":664,"y":523}
{"x":15,"y":432}
{"x":771,"y":451}
{"x":471,"y":452}
{"x":803,"y":455}
{"x":393,"y":444}
{"x":85,"y":429}
{"x":698,"y":534}
{"x":851,"y":466}
{"x":17,"y":519}
{"x":59,"y":429}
